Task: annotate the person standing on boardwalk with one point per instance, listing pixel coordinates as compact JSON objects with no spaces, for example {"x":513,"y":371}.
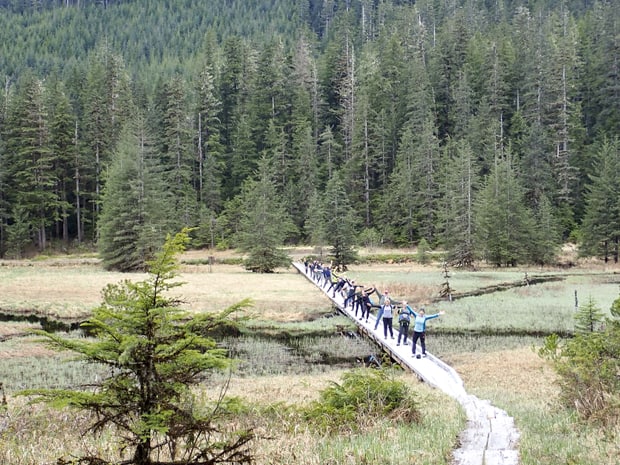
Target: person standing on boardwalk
{"x":351,"y":293}
{"x":338,"y":283}
{"x":327,"y":276}
{"x":387,"y":317}
{"x":419,"y":329}
{"x":404,"y":317}
{"x":366,"y":305}
{"x":382,"y":298}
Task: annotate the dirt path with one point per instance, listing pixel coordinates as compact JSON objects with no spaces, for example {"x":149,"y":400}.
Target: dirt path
{"x":490,"y":438}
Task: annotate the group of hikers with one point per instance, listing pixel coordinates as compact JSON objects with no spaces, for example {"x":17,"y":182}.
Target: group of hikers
{"x":357,"y":298}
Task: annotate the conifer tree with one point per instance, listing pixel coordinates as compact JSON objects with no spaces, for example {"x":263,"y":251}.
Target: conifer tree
{"x":546,"y":236}
{"x":314,"y":225}
{"x":503,"y":222}
{"x":271,"y":97}
{"x":589,"y":317}
{"x":107,"y":105}
{"x":134,"y":203}
{"x":306,"y":178}
{"x":154,"y":353}
{"x":210,"y":149}
{"x":177,"y":154}
{"x":264,"y":224}
{"x":601,"y":224}
{"x":18,"y":232}
{"x":340,"y":224}
{"x":460,"y":185}
{"x":30,"y":180}
{"x":62,"y":133}
{"x":400,"y":219}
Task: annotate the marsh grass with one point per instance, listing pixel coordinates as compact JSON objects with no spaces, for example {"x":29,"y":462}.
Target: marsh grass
{"x":260,"y":356}
{"x":520,"y":382}
{"x":492,"y":353}
{"x":26,"y":364}
{"x":8,"y":330}
{"x":43,"y":369}
{"x":328,"y":322}
{"x":543,"y":308}
{"x":35,"y":434}
{"x":447,"y":345}
{"x":286,"y":439}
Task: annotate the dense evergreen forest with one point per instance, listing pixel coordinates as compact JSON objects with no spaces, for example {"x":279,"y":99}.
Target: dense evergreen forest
{"x":488,"y":129}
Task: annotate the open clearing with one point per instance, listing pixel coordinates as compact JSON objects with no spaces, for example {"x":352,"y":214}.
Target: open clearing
{"x":503,"y":369}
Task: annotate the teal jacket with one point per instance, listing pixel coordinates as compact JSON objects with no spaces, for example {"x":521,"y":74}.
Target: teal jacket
{"x":419,"y":325}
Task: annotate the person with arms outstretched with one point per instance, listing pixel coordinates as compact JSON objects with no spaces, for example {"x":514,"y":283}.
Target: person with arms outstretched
{"x":419,"y":329}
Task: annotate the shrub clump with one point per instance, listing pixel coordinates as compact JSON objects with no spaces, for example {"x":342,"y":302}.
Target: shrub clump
{"x":588,"y":365}
{"x":364,"y":396}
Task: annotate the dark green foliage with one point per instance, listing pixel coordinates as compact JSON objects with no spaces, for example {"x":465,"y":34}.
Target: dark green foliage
{"x":457,"y":214}
{"x":401,"y":206}
{"x":340,"y":224}
{"x":504,"y":223}
{"x":135,"y":205}
{"x":601,"y":224}
{"x":413,"y":103}
{"x":588,"y":366}
{"x":155,"y":352}
{"x":314,"y":226}
{"x":18,"y":233}
{"x":543,"y":248}
{"x":422,"y":255}
{"x":264,"y":225}
{"x":29,"y":177}
{"x":364,"y":396}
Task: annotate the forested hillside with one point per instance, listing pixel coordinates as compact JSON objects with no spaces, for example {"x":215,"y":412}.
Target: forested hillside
{"x":489,"y":129}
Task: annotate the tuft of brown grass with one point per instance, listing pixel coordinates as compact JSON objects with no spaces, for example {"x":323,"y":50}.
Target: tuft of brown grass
{"x":72,"y":292}
{"x":520,"y":371}
{"x":10,"y":329}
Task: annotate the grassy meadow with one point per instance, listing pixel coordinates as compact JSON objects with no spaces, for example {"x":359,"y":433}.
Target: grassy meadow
{"x":292,"y":349}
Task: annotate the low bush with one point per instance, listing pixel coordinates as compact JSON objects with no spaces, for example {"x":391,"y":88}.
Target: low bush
{"x":364,"y":396}
{"x":588,"y":366}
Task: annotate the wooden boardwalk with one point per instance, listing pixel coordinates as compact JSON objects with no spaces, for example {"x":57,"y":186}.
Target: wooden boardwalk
{"x":490,"y":438}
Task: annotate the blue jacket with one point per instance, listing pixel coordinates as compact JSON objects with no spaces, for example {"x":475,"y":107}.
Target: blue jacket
{"x":420,"y":321}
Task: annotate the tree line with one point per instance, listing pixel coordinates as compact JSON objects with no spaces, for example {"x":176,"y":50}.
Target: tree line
{"x":488,"y":131}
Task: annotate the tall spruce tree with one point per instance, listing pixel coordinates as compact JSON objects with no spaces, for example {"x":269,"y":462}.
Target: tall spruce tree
{"x":264,"y":224}
{"x":400,"y":202}
{"x":503,"y":222}
{"x":314,"y":225}
{"x":601,"y":224}
{"x":135,"y":203}
{"x":459,"y":187}
{"x":177,"y":152}
{"x":107,"y":105}
{"x":340,"y":224}
{"x":62,"y":135}
{"x":29,"y":177}
{"x":306,"y":179}
{"x":546,"y":234}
